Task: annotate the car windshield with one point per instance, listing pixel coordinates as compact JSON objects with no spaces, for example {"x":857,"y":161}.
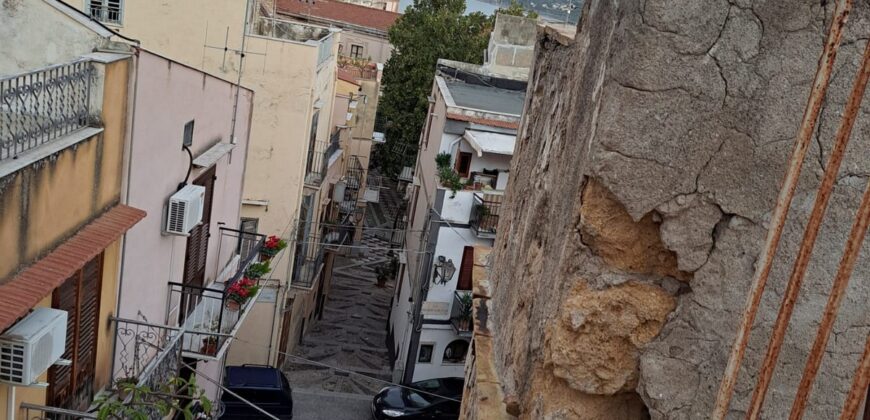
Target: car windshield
{"x":418,"y":400}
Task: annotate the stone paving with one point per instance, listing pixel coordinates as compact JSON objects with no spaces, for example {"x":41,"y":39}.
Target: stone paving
{"x":352,"y":334}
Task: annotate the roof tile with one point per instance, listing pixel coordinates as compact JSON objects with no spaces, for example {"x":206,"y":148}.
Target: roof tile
{"x":23,"y":291}
{"x":340,"y":12}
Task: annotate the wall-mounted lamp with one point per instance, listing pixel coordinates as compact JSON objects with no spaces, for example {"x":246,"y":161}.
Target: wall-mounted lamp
{"x":444,"y":270}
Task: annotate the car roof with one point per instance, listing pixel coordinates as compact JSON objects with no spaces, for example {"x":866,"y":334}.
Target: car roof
{"x":262,"y":377}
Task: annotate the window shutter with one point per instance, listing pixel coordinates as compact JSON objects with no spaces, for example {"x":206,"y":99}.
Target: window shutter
{"x":72,"y":386}
{"x":466,"y":269}
{"x":197,"y":242}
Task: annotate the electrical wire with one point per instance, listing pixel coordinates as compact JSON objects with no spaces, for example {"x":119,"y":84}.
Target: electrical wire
{"x":351,"y":372}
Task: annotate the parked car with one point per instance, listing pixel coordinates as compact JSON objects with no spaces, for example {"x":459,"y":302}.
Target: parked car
{"x":431,"y":399}
{"x":264,"y":386}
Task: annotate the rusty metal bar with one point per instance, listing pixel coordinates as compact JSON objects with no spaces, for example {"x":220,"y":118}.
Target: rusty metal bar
{"x":850,"y":255}
{"x":859,"y":384}
{"x":786,"y":193}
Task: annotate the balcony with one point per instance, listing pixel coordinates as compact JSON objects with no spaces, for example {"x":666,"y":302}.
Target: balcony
{"x":317,"y":164}
{"x":146,"y":354}
{"x":460,"y":313}
{"x":207,"y":315}
{"x":354,"y":177}
{"x":484,"y":214}
{"x":40,"y":412}
{"x":39,"y":107}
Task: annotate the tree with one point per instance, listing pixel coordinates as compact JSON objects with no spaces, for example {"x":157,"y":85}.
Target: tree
{"x":429,"y":30}
{"x":517,"y":9}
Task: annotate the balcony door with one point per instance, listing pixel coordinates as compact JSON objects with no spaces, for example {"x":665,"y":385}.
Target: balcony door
{"x":196,"y":254}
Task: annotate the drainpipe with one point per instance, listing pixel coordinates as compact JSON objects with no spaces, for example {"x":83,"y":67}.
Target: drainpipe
{"x":131,"y":124}
{"x":10,"y":403}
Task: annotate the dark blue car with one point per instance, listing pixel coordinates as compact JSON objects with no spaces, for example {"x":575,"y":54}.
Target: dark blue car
{"x":263,"y":386}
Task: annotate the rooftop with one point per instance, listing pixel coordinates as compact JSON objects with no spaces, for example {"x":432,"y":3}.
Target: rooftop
{"x":484,"y":98}
{"x":339,"y":12}
{"x":490,"y":142}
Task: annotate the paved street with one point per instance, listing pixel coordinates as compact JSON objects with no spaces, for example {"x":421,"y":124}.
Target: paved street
{"x":321,"y":405}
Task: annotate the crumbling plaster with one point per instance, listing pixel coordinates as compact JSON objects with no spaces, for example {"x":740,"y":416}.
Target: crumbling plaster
{"x":684,"y":113}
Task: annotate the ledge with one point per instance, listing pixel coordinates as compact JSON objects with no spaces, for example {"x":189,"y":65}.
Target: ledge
{"x":43,"y":151}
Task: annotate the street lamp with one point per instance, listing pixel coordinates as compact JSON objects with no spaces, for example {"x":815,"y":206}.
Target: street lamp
{"x":444,"y":270}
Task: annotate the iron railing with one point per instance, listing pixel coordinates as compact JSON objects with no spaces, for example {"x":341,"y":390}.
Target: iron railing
{"x":334,"y":144}
{"x":40,"y":412}
{"x":41,"y":106}
{"x":108,"y":11}
{"x":484,"y":214}
{"x":460,"y":313}
{"x":206,"y":314}
{"x":306,"y":270}
{"x":140,"y":346}
{"x":354,"y":176}
{"x":309,"y":254}
{"x":316,"y":165}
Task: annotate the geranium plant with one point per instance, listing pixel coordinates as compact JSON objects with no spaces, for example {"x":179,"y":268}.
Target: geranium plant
{"x":258,"y":270}
{"x":273,"y":246}
{"x":240,"y":291}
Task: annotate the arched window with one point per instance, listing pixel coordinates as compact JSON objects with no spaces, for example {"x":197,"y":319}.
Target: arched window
{"x":455,"y":352}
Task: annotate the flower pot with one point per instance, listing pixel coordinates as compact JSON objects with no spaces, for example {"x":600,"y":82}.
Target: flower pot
{"x":264,"y":256}
{"x":232,"y":305}
{"x":209,"y":347}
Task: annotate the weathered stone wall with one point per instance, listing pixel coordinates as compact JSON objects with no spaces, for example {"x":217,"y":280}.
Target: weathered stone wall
{"x":646,"y":169}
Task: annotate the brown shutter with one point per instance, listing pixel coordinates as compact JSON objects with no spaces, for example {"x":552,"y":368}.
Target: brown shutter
{"x":72,"y":386}
{"x":197,"y":243}
{"x":465,"y":270}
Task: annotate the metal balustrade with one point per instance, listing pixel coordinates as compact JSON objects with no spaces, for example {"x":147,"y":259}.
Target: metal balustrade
{"x":40,"y":412}
{"x":140,"y":346}
{"x":44,"y":105}
{"x":206,"y":314}
{"x":316,"y":165}
{"x":484,"y":214}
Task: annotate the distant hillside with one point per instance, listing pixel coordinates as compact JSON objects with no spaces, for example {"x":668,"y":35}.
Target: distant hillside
{"x":556,"y":10}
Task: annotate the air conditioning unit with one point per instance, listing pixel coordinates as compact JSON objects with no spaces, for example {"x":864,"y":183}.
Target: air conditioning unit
{"x":32,"y":345}
{"x":184,"y":211}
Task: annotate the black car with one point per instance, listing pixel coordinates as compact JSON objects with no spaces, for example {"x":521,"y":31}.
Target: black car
{"x":432,"y":399}
{"x":264,"y":386}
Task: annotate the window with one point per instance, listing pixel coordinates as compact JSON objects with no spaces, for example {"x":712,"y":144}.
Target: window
{"x":465,"y":269}
{"x":463,"y":164}
{"x":356,"y":51}
{"x":455,"y":352}
{"x":425,"y":354}
{"x":188,"y":134}
{"x":72,"y":386}
{"x":108,"y":11}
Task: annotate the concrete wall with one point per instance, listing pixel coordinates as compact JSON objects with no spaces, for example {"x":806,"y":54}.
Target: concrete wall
{"x":653,"y":147}
{"x":375,"y":48}
{"x":47,"y":202}
{"x":66,"y":41}
{"x":439,"y":336}
{"x":169,"y":95}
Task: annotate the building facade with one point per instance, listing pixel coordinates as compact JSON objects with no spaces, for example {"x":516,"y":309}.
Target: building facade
{"x":364,"y":29}
{"x":63,"y":123}
{"x":462,"y":169}
{"x":291,"y":68}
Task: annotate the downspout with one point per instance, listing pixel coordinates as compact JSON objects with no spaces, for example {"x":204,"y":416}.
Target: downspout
{"x":131,"y":124}
{"x":10,"y":402}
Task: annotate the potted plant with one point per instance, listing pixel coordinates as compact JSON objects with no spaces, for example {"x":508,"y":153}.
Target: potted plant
{"x":209,"y":346}
{"x":465,"y":312}
{"x":239,"y":293}
{"x":272,"y":247}
{"x":257,"y":270}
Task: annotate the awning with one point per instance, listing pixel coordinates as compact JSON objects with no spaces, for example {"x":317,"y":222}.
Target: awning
{"x":488,"y":142}
{"x":212,"y":155}
{"x":26,"y":289}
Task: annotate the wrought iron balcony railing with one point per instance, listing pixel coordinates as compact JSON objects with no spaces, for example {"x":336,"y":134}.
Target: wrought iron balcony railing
{"x":145,"y":354}
{"x":208,"y":315}
{"x":44,"y":105}
{"x":40,"y":412}
{"x":354,"y":177}
{"x":460,"y":313}
{"x":316,"y":166}
{"x":484,"y":214}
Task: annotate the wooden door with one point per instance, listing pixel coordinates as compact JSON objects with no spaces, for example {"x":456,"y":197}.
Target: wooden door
{"x":196,"y":253}
{"x":285,"y":334}
{"x":72,"y":387}
{"x":466,"y":269}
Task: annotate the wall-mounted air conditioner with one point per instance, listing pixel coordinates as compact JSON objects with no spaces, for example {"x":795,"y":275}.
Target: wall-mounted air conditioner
{"x":32,"y":345}
{"x":184,"y":211}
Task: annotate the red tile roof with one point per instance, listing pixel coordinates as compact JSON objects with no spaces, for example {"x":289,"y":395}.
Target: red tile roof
{"x":23,"y":291}
{"x":348,"y":75}
{"x":339,"y":11}
{"x":484,"y":121}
